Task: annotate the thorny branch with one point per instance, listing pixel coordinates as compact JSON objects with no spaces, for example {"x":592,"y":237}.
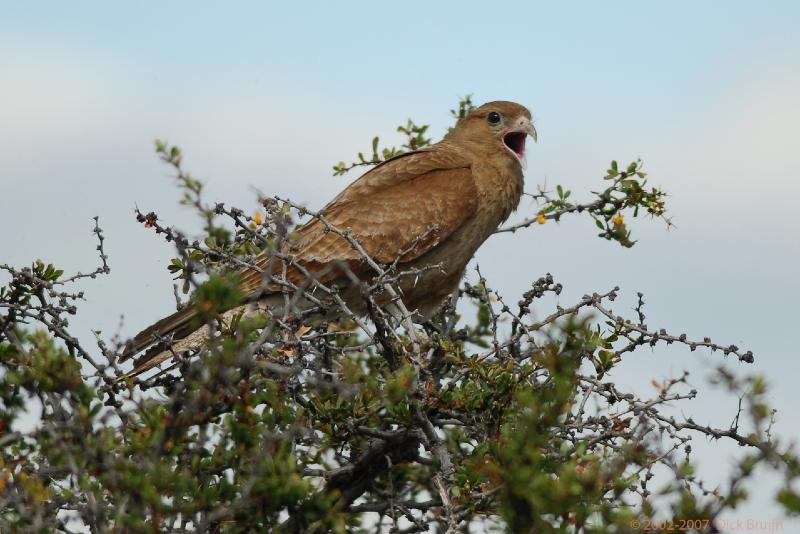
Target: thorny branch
{"x":314,"y":420}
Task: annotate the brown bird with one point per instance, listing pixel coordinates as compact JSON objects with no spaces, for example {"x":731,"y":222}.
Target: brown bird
{"x":430,"y":207}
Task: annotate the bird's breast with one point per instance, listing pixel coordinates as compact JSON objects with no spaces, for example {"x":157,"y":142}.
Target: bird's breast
{"x":500,"y":186}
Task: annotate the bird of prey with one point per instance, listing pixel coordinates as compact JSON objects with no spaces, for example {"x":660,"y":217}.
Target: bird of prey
{"x":430,"y":207}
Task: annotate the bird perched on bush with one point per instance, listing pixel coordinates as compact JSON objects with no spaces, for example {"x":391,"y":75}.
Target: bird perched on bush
{"x":426,"y":211}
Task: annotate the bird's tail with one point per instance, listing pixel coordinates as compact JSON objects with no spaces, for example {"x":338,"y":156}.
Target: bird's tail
{"x":175,"y":326}
{"x":182,"y":332}
{"x":157,"y":340}
{"x":171,"y":336}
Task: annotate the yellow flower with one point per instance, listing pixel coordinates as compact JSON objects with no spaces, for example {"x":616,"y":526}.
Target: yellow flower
{"x":618,"y":220}
{"x":258,"y":218}
{"x":541,"y":219}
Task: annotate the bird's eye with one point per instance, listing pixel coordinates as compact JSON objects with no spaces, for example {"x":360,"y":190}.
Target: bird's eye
{"x":493,"y":117}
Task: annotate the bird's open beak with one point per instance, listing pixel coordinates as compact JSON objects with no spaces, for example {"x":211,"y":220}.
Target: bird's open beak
{"x":514,"y":139}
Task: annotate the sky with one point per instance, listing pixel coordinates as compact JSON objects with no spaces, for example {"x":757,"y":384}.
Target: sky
{"x":269,"y":95}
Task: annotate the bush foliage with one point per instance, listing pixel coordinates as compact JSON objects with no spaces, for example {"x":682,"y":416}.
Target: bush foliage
{"x":495,"y":414}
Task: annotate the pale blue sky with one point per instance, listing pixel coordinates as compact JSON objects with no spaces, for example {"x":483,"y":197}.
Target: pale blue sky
{"x":269,"y":95}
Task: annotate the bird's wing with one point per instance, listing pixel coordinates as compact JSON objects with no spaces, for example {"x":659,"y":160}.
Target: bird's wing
{"x":398,"y":211}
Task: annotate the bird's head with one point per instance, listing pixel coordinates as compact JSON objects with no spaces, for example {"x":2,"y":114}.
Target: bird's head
{"x":497,"y":126}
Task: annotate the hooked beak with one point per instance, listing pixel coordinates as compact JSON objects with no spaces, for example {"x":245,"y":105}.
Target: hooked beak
{"x":514,"y":139}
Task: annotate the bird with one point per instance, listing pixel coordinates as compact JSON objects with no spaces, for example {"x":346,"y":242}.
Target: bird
{"x":426,"y":211}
